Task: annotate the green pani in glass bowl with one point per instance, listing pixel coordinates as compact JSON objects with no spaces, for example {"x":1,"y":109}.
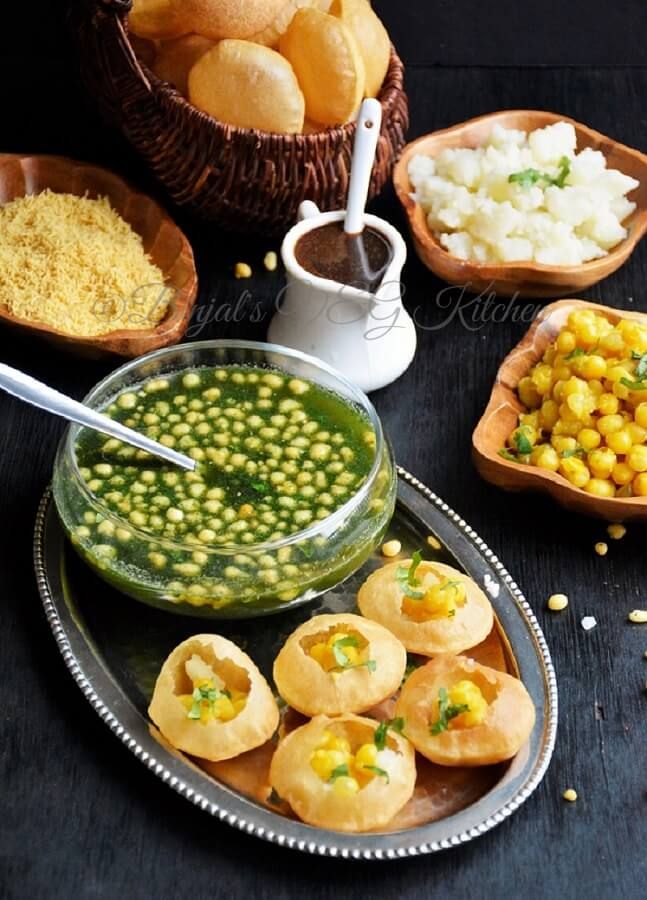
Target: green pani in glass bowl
{"x":294,"y":487}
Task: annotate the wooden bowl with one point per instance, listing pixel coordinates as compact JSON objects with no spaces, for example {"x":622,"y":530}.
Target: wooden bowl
{"x":501,"y":417}
{"x":240,"y":178}
{"x":168,"y":247}
{"x":529,"y":279}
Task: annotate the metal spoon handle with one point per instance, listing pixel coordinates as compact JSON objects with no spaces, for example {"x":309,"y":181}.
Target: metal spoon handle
{"x":34,"y":392}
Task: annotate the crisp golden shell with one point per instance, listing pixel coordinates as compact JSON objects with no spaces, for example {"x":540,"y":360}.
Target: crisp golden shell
{"x":271,"y":35}
{"x":157,"y":19}
{"x":372,"y":38}
{"x":507,"y":726}
{"x":175,"y":59}
{"x":314,"y":800}
{"x":328,"y":63}
{"x":218,"y":19}
{"x":249,"y":86}
{"x":380,"y":598}
{"x":308,"y":688}
{"x":215,"y":741}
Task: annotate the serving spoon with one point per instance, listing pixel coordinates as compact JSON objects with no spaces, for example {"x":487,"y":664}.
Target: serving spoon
{"x":367,"y":134}
{"x":34,"y":392}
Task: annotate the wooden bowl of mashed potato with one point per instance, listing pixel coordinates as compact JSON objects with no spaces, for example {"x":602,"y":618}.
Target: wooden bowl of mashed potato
{"x":543,"y":220}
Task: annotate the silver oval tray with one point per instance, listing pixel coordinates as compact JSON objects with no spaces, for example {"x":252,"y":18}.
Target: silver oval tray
{"x":114,"y":649}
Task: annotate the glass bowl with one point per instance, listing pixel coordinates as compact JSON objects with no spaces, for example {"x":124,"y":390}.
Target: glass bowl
{"x":233,"y":581}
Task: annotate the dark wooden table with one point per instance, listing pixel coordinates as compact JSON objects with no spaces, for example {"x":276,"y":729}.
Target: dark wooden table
{"x":79,"y":816}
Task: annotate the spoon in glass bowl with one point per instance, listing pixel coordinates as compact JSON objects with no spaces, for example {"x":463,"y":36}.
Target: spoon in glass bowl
{"x":34,"y":392}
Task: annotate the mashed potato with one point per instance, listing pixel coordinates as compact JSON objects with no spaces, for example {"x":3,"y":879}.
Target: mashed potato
{"x":524,"y":197}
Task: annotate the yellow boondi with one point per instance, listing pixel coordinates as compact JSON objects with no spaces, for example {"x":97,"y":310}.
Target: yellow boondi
{"x":74,"y":264}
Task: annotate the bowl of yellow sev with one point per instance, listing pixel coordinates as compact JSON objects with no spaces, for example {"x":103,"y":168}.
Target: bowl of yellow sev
{"x":88,"y":262}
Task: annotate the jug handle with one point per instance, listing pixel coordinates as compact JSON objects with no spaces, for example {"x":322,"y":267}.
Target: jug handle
{"x":307,"y":210}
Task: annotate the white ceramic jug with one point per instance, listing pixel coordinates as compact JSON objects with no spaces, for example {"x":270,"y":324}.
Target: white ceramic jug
{"x":370,"y":338}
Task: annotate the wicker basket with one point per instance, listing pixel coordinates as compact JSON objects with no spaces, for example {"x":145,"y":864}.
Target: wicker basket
{"x":244,"y":179}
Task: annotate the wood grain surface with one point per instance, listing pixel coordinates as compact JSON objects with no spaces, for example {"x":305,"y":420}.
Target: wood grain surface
{"x":79,"y":816}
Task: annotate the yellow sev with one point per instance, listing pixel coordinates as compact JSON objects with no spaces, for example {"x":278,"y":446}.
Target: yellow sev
{"x":74,"y":264}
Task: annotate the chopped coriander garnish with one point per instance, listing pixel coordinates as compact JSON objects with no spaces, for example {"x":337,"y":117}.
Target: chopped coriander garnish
{"x":411,"y":592}
{"x":377,"y":771}
{"x":407,"y":577}
{"x":564,"y":171}
{"x":339,"y":772}
{"x":523,"y":444}
{"x":575,"y":353}
{"x":206,"y":693}
{"x":379,"y":738}
{"x":529,"y":177}
{"x":641,"y":368}
{"x":342,"y":659}
{"x":525,"y":179}
{"x":446,"y":712}
{"x":507,"y":454}
{"x":634,"y":385}
{"x":640,"y":373}
{"x":416,"y":559}
{"x":578,"y":451}
{"x":338,"y":650}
